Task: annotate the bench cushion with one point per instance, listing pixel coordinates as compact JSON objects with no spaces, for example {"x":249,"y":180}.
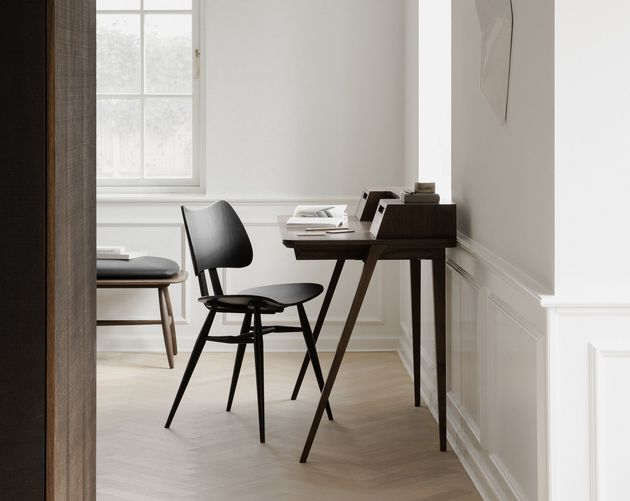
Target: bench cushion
{"x":146,"y":268}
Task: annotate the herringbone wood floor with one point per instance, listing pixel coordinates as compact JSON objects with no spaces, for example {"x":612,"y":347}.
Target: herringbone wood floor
{"x":380,"y":447}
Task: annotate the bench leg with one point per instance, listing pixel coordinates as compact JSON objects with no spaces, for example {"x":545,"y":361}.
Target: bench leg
{"x":166,"y":331}
{"x":169,"y":308}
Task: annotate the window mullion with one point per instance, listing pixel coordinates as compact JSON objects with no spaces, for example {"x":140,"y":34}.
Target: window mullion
{"x":142,"y":89}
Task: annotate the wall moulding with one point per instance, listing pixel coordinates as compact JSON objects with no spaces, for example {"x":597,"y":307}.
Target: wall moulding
{"x":183,"y":198}
{"x":601,"y":360}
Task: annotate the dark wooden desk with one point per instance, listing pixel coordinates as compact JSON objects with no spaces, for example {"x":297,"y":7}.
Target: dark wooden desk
{"x":361,"y":245}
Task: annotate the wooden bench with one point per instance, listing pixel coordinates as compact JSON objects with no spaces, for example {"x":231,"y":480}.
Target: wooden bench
{"x":144,"y":273}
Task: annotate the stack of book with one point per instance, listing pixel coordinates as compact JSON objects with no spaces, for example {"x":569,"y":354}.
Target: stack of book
{"x":423,"y":193}
{"x":117,"y":252}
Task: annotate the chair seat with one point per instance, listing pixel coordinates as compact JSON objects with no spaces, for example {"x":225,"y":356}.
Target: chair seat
{"x":286,"y":294}
{"x":141,"y":268}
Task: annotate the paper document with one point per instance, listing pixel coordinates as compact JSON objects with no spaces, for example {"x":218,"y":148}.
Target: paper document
{"x":318,"y":222}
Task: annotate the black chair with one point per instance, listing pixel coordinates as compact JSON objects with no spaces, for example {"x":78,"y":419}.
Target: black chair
{"x":218,"y":239}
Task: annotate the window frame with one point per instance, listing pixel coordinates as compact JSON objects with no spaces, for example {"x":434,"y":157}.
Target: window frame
{"x":196,"y":183}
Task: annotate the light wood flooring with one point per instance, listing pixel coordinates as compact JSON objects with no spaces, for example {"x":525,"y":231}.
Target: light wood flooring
{"x":380,"y":447}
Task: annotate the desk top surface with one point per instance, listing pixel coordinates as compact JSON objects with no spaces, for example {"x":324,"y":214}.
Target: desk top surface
{"x":360,"y":237}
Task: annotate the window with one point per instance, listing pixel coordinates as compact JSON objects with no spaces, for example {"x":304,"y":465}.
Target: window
{"x":148,"y":110}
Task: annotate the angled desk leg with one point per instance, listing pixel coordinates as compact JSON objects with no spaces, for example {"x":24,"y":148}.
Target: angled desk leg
{"x":415,"y":276}
{"x":334,"y":279}
{"x":439,"y":301}
{"x":364,"y":282}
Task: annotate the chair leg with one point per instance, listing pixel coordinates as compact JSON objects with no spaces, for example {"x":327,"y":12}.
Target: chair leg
{"x":260,"y":373}
{"x":312,"y":352}
{"x":166,"y":330}
{"x":169,"y":308}
{"x":192,"y":362}
{"x":238,"y":361}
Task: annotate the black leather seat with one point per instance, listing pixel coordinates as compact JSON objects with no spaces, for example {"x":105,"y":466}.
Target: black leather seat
{"x":146,"y":268}
{"x":218,"y":239}
{"x":268,"y":299}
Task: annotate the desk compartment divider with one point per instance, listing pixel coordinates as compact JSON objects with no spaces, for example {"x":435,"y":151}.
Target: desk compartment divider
{"x":370,"y":199}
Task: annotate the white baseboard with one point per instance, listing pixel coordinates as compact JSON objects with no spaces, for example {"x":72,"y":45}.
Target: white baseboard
{"x":474,"y":468}
{"x":153,"y":343}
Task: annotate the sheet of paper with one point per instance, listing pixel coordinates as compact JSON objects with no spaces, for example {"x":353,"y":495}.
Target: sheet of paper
{"x":315,"y":222}
{"x":496,"y":20}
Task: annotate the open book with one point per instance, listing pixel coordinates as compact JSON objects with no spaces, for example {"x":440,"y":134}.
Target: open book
{"x":318,"y":216}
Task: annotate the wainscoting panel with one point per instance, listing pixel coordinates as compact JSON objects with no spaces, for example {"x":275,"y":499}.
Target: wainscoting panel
{"x":157,"y":227}
{"x":467,"y":356}
{"x":496,"y":330}
{"x":609,"y":374}
{"x":589,"y":359}
{"x":512,"y":394}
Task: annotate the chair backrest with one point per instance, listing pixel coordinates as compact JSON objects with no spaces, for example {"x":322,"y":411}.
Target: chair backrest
{"x":217,"y":239}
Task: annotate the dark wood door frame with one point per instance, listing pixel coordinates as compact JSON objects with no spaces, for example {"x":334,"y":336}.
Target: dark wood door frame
{"x":47,"y":287}
{"x":71,"y":257}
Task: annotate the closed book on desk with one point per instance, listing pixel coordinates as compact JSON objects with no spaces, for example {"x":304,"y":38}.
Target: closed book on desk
{"x":395,"y":219}
{"x":420,"y":198}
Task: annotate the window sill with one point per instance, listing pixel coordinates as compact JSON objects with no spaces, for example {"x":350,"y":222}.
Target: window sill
{"x":204,"y":198}
{"x":149,"y":198}
{"x":147,"y":194}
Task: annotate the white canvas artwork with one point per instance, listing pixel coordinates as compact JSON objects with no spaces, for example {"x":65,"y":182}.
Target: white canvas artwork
{"x":496,"y":20}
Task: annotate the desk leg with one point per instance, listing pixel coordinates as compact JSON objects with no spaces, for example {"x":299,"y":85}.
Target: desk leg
{"x":439,"y":300}
{"x":415,"y":276}
{"x":334,"y":279}
{"x":364,"y":282}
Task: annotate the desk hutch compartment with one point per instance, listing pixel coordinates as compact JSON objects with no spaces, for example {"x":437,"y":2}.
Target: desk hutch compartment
{"x":394,"y":219}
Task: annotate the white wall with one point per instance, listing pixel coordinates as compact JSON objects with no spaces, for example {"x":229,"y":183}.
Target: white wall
{"x":304,"y":98}
{"x":589,"y":371}
{"x":428,"y":93}
{"x":589,"y":317}
{"x":304,"y":101}
{"x":503,"y":174}
{"x":434,"y":111}
{"x":592,"y":105}
{"x":411,"y":92}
